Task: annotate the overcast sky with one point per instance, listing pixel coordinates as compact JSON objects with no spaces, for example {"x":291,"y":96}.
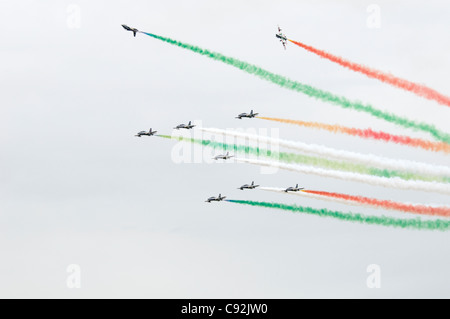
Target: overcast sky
{"x":78,"y":188}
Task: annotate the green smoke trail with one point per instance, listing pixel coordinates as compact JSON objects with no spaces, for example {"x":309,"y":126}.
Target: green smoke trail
{"x":308,"y":160}
{"x":416,"y":223}
{"x":309,"y":90}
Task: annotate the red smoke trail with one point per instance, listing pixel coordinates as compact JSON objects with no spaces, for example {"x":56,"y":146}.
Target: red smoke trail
{"x":416,"y":88}
{"x":369,"y":134}
{"x":410,"y":208}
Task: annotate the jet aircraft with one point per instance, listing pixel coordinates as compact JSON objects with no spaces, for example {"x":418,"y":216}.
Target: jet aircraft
{"x":185,"y":126}
{"x":149,"y":133}
{"x":282,"y":37}
{"x":215,"y":199}
{"x":293,"y":189}
{"x":249,"y":115}
{"x":247,"y":186}
{"x":224,"y":157}
{"x":130,"y":29}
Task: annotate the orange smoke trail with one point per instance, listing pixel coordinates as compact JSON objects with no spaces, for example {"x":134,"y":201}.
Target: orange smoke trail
{"x":369,"y":134}
{"x":416,"y":88}
{"x":410,"y":208}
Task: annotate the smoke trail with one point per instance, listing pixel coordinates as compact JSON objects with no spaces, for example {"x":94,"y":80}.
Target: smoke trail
{"x":416,"y":88}
{"x":309,"y":90}
{"x":369,"y":134}
{"x":410,"y":208}
{"x":369,"y":159}
{"x":420,"y":209}
{"x":373,"y":180}
{"x":415,"y":223}
{"x":307,"y":160}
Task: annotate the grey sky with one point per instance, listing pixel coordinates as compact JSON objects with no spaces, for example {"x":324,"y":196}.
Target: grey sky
{"x":79,"y":188}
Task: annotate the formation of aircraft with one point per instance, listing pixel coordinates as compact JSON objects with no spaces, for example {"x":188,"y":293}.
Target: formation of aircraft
{"x":247,"y":186}
{"x":293,"y":189}
{"x":282,"y":37}
{"x":134,"y":30}
{"x":185,"y":126}
{"x":215,"y":199}
{"x":224,"y":157}
{"x":149,"y":133}
{"x":249,"y":115}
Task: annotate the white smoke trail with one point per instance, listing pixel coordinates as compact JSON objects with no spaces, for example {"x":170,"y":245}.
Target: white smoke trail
{"x":366,"y":159}
{"x":394,"y":182}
